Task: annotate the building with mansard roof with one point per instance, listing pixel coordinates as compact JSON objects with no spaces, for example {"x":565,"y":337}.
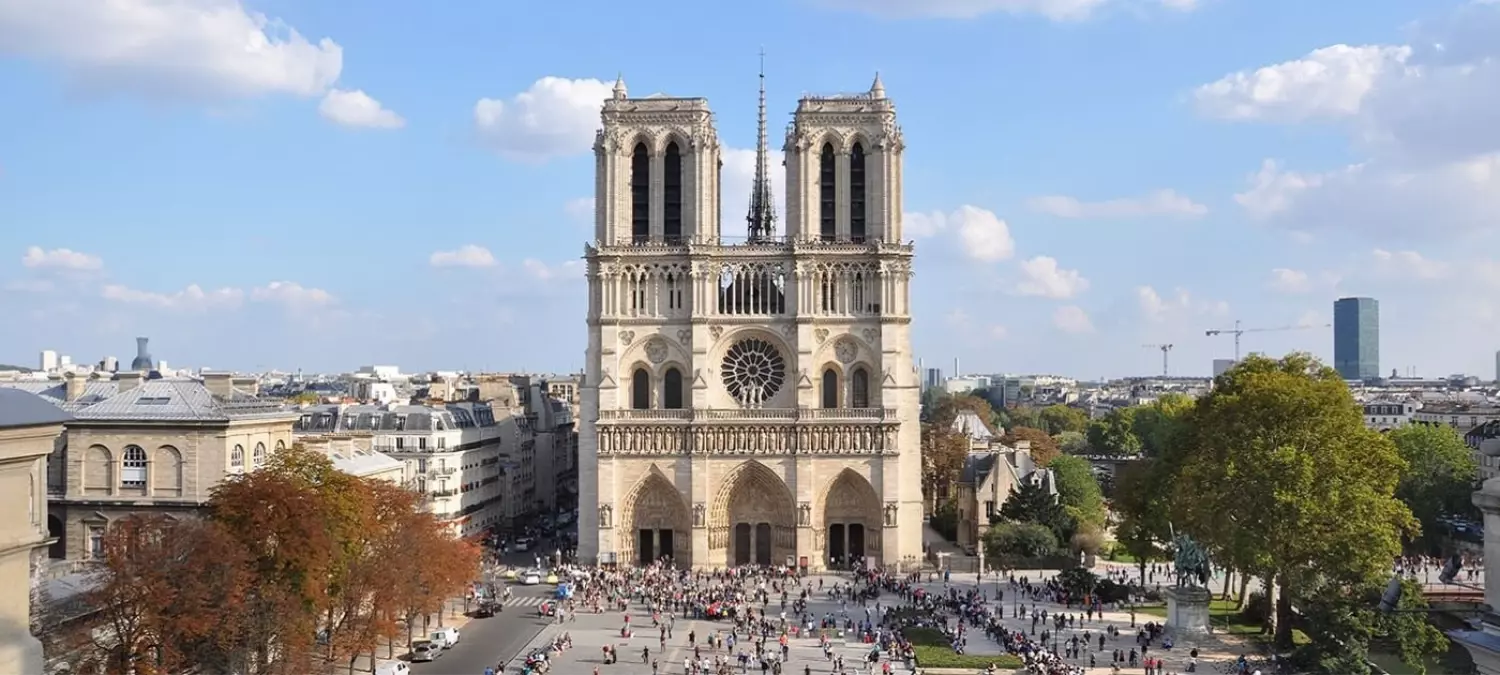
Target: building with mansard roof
{"x":749,"y":398}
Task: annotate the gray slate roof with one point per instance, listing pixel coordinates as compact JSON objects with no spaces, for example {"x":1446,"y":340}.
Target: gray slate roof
{"x":24,"y":409}
{"x":165,"y":400}
{"x":397,"y":418}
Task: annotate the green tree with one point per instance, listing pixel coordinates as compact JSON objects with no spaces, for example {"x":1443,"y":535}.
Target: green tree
{"x":1031,"y":503}
{"x":1058,"y":418}
{"x":949,"y":407}
{"x":1281,"y":479}
{"x":1043,"y":447}
{"x":1343,"y":622}
{"x":1025,"y":416}
{"x":1072,"y":443}
{"x":1019,"y":540}
{"x":1141,"y":499}
{"x":1439,"y":478}
{"x":1156,"y":423}
{"x":1113,"y":434}
{"x":1078,"y":490}
{"x":943,"y":454}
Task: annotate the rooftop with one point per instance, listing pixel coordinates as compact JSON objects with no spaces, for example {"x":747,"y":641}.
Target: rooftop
{"x":25,"y":409}
{"x":163,"y":400}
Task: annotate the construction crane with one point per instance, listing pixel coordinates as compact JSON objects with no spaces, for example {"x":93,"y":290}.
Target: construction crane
{"x":1165,"y":349}
{"x":1237,"y":332}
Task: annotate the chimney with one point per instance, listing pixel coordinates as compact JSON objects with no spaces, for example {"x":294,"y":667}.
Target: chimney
{"x":129,"y":380}
{"x":73,"y":386}
{"x":248,"y":385}
{"x":219,"y":384}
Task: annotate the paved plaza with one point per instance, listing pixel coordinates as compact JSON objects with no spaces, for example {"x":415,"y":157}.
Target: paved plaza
{"x":591,"y":632}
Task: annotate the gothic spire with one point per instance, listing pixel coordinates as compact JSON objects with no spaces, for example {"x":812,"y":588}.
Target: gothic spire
{"x":762,"y":216}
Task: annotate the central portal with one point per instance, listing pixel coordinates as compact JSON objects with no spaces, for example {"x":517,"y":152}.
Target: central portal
{"x":754,"y":521}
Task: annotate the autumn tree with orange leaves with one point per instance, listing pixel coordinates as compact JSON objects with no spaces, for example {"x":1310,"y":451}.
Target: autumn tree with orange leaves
{"x":298,"y":568}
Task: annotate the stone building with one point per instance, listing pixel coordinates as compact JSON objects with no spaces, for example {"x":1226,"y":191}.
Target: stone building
{"x":749,"y":400}
{"x":136,"y":445}
{"x":29,"y":429}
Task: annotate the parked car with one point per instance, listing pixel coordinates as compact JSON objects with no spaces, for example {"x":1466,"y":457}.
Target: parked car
{"x":392,"y":668}
{"x":424,"y":650}
{"x":445,"y":637}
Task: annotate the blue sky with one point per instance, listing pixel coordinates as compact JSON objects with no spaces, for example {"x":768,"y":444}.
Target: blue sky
{"x":324,"y":184}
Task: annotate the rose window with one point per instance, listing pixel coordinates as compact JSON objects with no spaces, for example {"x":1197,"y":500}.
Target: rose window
{"x":753,"y":371}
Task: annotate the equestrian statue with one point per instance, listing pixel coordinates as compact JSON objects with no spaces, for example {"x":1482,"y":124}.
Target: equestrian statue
{"x":1190,"y":561}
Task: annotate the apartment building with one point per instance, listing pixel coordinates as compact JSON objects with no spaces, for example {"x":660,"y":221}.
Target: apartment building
{"x":1386,"y":414}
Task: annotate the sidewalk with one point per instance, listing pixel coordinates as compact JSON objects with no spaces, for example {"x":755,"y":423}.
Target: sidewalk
{"x":452,"y":616}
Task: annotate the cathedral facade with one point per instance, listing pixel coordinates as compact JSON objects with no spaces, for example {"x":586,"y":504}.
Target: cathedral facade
{"x":749,"y":398}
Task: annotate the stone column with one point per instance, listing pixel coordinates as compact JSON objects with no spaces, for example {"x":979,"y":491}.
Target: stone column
{"x":1484,"y":644}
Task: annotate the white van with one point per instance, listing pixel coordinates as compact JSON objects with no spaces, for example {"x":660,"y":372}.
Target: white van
{"x":447,"y":637}
{"x":392,"y":668}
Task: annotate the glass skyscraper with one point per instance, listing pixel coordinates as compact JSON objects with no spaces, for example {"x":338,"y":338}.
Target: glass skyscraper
{"x":1356,"y":338}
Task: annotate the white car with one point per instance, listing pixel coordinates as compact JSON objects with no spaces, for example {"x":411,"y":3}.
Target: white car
{"x":531,"y":578}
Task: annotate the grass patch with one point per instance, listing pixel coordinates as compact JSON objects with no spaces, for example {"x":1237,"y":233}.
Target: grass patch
{"x":932,"y":651}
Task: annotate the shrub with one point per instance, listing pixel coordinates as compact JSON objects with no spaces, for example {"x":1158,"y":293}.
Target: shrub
{"x":1019,"y":540}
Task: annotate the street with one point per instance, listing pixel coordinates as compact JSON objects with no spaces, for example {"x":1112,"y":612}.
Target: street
{"x":485,"y":642}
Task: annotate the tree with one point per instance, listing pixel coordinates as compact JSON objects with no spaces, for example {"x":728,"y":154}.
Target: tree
{"x":1156,"y":423}
{"x":944,"y":452}
{"x":1141,"y":498}
{"x":1342,"y":622}
{"x":1113,"y":434}
{"x":1439,"y":478}
{"x":1019,"y":540}
{"x":1281,"y":479}
{"x":1030,"y":502}
{"x":949,"y":407}
{"x":1078,"y":491}
{"x":1058,"y":418}
{"x":1043,"y":447}
{"x":1025,"y":416}
{"x":1072,"y":443}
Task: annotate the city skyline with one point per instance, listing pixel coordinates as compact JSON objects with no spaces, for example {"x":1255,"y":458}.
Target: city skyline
{"x":367,"y":192}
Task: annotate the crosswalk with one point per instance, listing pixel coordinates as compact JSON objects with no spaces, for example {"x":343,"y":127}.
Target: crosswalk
{"x":525,"y":601}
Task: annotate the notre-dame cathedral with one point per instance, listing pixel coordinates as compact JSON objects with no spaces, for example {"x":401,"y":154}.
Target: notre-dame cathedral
{"x":750,"y":395}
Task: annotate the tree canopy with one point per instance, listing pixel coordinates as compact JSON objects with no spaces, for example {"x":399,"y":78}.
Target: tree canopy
{"x":1043,"y":447}
{"x":1440,"y":475}
{"x":1031,"y":502}
{"x":1279,"y":476}
{"x":1114,"y":433}
{"x":1019,"y":540}
{"x":1059,"y":418}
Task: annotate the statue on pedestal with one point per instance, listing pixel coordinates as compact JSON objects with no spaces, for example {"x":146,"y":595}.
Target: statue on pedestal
{"x":1190,"y":562}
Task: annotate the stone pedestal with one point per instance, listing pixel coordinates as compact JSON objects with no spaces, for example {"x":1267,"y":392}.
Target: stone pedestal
{"x":1187,"y":609}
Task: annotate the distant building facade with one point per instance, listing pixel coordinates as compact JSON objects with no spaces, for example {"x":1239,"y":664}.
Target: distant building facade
{"x":29,"y":429}
{"x":1356,"y":338}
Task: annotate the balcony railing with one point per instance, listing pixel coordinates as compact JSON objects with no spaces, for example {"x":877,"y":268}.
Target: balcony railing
{"x":753,"y":415}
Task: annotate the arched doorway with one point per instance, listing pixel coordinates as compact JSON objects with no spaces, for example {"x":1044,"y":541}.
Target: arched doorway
{"x":56,"y":531}
{"x":851,"y":520}
{"x":754,"y":518}
{"x":655,"y":523}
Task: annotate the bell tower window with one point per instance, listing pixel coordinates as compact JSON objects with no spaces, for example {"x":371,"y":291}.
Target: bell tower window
{"x":857,"y":194}
{"x":826,"y":199}
{"x":671,"y":386}
{"x":672,"y":187}
{"x":640,"y":389}
{"x":640,"y":194}
{"x":830,"y":389}
{"x":859,"y":389}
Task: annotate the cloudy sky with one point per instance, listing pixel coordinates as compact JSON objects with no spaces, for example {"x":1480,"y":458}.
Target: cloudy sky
{"x":272,"y":183}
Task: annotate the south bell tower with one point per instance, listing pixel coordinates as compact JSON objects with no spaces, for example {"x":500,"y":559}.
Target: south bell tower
{"x":749,"y":399}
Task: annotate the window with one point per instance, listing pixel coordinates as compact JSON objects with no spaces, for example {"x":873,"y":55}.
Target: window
{"x":280,"y":445}
{"x":133,"y":467}
{"x":857,"y":193}
{"x":260,"y":455}
{"x":640,"y":194}
{"x":826,"y":180}
{"x":672,"y":189}
{"x":671,"y":386}
{"x":830,"y":389}
{"x":400,"y":442}
{"x":640,"y":389}
{"x":237,"y":457}
{"x":422,"y":443}
{"x":989,"y":508}
{"x":859,"y":389}
{"x":96,"y":542}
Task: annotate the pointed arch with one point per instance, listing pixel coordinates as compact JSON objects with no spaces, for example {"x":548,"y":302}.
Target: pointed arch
{"x":640,"y":193}
{"x":655,"y":522}
{"x":672,"y":193}
{"x":827,"y":183}
{"x":671,"y":389}
{"x":753,"y":517}
{"x":859,"y":388}
{"x":857,"y":192}
{"x":640,"y":389}
{"x":829,"y":396}
{"x":850,"y":520}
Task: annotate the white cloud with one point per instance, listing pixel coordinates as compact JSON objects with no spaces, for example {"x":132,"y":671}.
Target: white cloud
{"x":1072,"y":319}
{"x":555,"y":117}
{"x":1158,"y":203}
{"x":985,"y":237}
{"x":1180,"y":5}
{"x":999,"y":332}
{"x":468,"y":255}
{"x":1057,"y":10}
{"x":923,"y":225}
{"x":356,"y":109}
{"x":1423,"y":112}
{"x":30,"y":286}
{"x":1158,"y":308}
{"x":541,"y":271}
{"x":193,"y":49}
{"x":192,"y":298}
{"x":1045,"y":279}
{"x":1311,"y":318}
{"x":1284,"y":280}
{"x":61,"y":259}
{"x":1329,"y":83}
{"x":737,"y":178}
{"x":580,"y":209}
{"x":292,"y":295}
{"x":958,"y":318}
{"x":1408,"y":265}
